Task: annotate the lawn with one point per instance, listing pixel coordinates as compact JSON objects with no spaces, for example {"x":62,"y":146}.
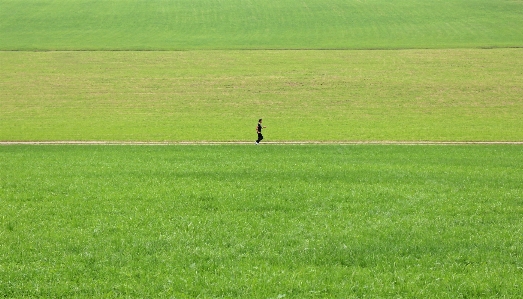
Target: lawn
{"x":260,"y":24}
{"x":269,"y":221}
{"x":412,"y":95}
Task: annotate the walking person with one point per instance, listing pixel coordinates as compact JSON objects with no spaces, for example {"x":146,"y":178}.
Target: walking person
{"x":259,"y":131}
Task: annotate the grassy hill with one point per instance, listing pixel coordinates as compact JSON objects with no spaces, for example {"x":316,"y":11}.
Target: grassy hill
{"x":260,"y":24}
{"x":457,"y":95}
{"x":438,"y":95}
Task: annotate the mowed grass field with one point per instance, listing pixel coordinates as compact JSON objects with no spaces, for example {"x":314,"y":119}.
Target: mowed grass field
{"x":404,"y":95}
{"x":446,"y":90}
{"x":274,"y":221}
{"x":260,"y":24}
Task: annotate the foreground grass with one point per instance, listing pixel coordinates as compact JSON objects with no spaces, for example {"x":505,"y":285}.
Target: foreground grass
{"x":438,"y":95}
{"x":261,"y":24}
{"x":261,"y":221}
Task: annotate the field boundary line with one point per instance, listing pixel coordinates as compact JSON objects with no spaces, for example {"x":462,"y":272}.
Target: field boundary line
{"x":383,"y":142}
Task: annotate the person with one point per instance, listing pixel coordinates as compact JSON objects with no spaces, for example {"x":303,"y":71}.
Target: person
{"x":259,"y":128}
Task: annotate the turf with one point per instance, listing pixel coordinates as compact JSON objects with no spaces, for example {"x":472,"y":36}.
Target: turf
{"x":413,"y":95}
{"x":260,"y":24}
{"x":261,"y":221}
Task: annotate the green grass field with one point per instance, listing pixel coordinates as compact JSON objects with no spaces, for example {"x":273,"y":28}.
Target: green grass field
{"x":268,"y":221}
{"x":260,"y":24}
{"x":436,"y":95}
{"x":216,"y":93}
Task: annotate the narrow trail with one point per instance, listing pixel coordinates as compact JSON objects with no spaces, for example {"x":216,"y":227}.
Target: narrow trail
{"x":252,"y":143}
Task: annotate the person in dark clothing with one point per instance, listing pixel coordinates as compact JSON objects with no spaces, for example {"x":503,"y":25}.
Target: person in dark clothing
{"x":259,"y":131}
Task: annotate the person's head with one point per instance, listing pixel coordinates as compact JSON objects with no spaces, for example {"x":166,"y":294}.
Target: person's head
{"x":260,"y":120}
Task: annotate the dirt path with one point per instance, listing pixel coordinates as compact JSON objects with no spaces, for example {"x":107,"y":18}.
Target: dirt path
{"x":252,"y":143}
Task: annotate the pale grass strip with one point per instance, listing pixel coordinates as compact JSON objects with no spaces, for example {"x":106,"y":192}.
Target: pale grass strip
{"x":383,"y":142}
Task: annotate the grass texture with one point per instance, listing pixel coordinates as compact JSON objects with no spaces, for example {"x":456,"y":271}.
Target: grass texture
{"x":260,"y":24}
{"x":261,"y":221}
{"x":411,"y":95}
